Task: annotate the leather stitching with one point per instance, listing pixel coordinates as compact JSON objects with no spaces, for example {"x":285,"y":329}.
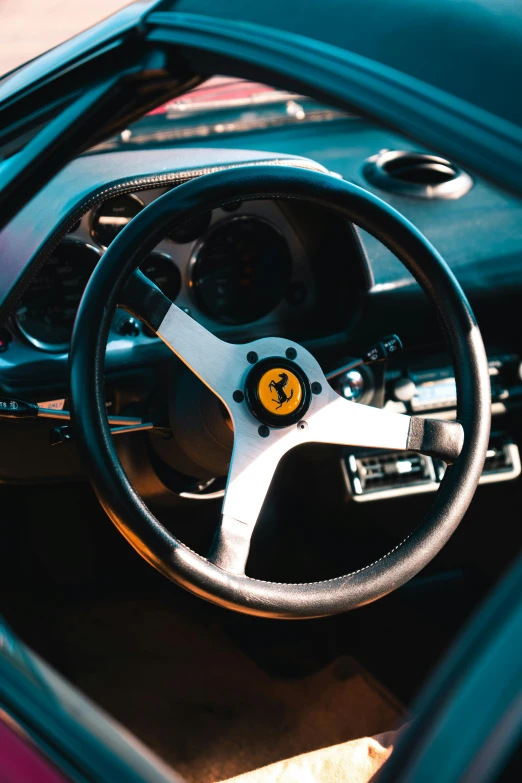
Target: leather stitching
{"x":308,"y":584}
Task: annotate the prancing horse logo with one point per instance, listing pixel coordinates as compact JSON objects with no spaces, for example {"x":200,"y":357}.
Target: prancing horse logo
{"x":279,"y":388}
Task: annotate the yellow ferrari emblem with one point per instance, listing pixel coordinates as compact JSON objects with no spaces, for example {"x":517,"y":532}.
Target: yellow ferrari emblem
{"x":280,"y":391}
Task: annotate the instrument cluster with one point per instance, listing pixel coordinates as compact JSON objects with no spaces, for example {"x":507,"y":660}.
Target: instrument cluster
{"x":237,"y":266}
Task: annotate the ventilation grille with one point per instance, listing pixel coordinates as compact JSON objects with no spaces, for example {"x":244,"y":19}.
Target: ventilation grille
{"x":379,"y":472}
{"x":416,"y":174}
{"x":498,"y":458}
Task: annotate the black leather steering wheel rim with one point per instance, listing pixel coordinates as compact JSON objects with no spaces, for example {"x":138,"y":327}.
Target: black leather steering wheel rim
{"x":127,"y":510}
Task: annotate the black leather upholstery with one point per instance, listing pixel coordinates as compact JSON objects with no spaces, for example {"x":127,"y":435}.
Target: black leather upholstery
{"x":441,"y":439}
{"x":127,"y":510}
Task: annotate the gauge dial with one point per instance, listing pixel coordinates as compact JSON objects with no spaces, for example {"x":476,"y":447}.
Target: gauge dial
{"x":46,"y":312}
{"x":191,"y":230}
{"x":112,"y":216}
{"x":242,"y":270}
{"x":162,"y":270}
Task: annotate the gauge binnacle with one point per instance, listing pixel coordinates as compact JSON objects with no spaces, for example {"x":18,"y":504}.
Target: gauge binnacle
{"x":112,"y":216}
{"x":45,"y":314}
{"x":242,"y":270}
{"x":162,"y":270}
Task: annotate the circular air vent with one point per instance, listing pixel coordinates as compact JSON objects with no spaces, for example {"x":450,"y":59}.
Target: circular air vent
{"x":416,"y":174}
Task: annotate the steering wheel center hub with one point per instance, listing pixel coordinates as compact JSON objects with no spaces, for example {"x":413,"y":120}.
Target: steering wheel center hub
{"x":277,"y":392}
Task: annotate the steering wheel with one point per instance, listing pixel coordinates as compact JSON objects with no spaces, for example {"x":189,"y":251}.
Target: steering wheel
{"x":278,"y":398}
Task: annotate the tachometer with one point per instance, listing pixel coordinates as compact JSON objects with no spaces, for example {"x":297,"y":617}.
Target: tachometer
{"x":242,"y":270}
{"x":45,"y":314}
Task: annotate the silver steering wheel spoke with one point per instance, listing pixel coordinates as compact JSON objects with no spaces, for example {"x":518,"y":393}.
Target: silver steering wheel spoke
{"x":278,"y":398}
{"x":349,"y":423}
{"x":206,"y":355}
{"x":254,"y":462}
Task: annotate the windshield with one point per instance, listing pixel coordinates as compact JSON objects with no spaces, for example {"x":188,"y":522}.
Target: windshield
{"x":218,"y":107}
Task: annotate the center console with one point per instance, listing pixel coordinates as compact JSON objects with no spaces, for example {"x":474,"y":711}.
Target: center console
{"x":422,"y":389}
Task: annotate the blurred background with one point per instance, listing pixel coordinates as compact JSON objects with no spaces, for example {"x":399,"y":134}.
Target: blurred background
{"x":30,"y":27}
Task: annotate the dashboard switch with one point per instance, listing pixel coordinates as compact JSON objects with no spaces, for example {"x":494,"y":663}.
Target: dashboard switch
{"x":383,"y":350}
{"x":378,"y":352}
{"x":404,"y":390}
{"x":129,"y":327}
{"x":11,"y":408}
{"x":352,"y":385}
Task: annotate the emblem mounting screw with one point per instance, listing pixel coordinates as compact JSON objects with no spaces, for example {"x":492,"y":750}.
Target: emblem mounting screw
{"x":264,"y":431}
{"x":291,"y":353}
{"x":238,"y":396}
{"x":252,"y":357}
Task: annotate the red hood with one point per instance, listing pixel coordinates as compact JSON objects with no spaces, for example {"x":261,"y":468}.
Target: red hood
{"x":219,"y":89}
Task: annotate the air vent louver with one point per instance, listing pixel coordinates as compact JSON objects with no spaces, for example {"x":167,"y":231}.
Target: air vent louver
{"x":416,"y":174}
{"x":387,"y":472}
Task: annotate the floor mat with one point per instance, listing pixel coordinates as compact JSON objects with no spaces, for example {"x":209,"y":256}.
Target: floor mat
{"x":183,"y":688}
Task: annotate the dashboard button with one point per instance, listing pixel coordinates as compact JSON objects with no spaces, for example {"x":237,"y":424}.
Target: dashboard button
{"x":404,"y":390}
{"x":129,"y":327}
{"x":352,"y":385}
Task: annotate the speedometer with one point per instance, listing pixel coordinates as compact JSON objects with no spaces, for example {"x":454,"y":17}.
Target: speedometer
{"x":242,"y":270}
{"x":45,"y":314}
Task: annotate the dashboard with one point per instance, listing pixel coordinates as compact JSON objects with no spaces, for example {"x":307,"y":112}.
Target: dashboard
{"x":261,"y":268}
{"x":245,"y":272}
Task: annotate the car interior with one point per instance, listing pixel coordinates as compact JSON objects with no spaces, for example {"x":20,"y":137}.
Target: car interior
{"x":283,"y":241}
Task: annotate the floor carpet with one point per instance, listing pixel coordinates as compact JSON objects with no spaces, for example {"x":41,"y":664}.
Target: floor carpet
{"x":177,"y":681}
